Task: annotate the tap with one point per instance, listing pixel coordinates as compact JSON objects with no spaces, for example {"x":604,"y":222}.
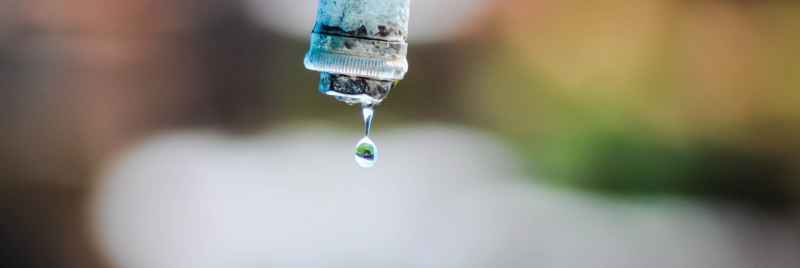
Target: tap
{"x":359,"y":47}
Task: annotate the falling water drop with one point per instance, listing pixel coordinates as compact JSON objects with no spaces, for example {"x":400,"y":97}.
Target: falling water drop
{"x":366,"y":151}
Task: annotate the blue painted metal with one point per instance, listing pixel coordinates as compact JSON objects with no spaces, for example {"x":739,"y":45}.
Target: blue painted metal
{"x":360,"y":48}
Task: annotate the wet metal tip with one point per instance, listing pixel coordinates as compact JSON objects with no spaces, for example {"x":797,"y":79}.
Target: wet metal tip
{"x":360,"y":48}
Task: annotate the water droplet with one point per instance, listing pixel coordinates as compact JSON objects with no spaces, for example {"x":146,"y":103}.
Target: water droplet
{"x":366,"y":150}
{"x":366,"y":153}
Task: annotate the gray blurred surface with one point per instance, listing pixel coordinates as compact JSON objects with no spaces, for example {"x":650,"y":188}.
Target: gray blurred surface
{"x":440,"y":197}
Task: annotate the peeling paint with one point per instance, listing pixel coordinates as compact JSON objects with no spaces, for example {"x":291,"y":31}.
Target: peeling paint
{"x":360,"y":47}
{"x":379,"y":19}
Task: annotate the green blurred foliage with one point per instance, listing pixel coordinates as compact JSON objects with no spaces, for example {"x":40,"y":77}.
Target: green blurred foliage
{"x":654,"y":97}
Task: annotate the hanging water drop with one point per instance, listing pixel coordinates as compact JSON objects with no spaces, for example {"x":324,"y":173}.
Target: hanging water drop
{"x":366,"y":151}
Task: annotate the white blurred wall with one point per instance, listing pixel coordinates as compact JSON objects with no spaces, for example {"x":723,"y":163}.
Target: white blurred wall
{"x":440,"y":197}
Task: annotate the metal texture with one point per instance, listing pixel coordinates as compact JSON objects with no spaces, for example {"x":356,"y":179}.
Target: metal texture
{"x":360,"y":48}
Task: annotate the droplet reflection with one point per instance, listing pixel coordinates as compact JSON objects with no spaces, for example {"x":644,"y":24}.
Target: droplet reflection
{"x":366,"y":153}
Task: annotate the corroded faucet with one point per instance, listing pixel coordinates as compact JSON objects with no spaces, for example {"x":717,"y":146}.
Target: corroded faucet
{"x":359,"y":47}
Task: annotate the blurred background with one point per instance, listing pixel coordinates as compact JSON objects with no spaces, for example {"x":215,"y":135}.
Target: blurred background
{"x":186,"y":133}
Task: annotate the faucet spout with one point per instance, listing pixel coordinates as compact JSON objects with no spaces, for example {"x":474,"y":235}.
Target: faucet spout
{"x":360,"y":48}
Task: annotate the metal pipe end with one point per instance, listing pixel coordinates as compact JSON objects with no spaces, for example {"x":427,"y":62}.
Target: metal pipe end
{"x":355,"y":90}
